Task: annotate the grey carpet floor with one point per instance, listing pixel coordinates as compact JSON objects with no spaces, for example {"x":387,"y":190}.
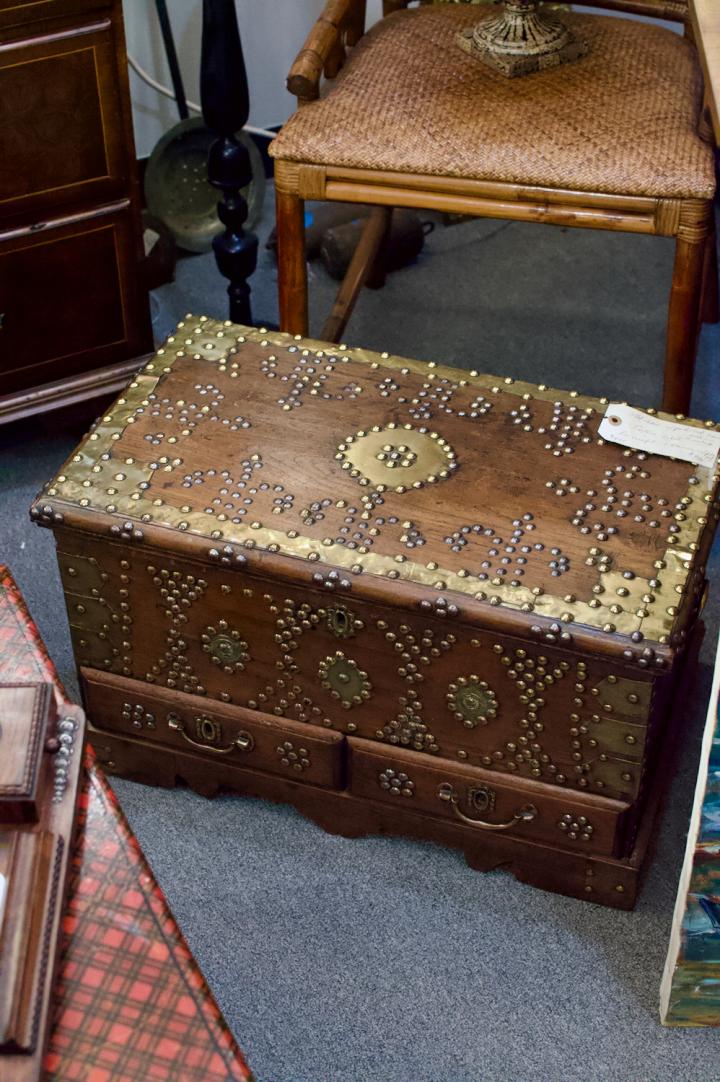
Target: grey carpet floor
{"x":346,"y":961}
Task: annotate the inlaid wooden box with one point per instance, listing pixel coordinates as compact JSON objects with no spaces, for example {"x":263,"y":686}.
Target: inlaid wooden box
{"x":40,"y":755}
{"x":409,"y":599}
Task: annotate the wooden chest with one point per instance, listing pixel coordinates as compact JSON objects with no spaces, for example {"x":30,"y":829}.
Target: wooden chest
{"x":408,"y":599}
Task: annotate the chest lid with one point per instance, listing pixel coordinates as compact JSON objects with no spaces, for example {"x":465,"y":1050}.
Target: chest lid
{"x":469,"y":496}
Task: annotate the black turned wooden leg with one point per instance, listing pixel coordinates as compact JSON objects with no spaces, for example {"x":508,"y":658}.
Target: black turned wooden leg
{"x":226,"y":106}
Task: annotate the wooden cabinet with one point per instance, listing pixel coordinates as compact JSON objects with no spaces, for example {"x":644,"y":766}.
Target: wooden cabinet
{"x":73,"y":313}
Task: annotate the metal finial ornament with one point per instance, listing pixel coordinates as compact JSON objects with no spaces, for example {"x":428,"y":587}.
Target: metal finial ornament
{"x":520,"y":41}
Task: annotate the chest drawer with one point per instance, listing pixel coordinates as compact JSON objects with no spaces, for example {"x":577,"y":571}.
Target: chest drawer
{"x":483,"y":800}
{"x":216,"y":731}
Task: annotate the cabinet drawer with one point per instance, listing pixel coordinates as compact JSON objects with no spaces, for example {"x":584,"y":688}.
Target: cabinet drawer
{"x":235,"y":735}
{"x":61,"y":122}
{"x":80,"y":277}
{"x":485,"y":801}
{"x":18,"y":14}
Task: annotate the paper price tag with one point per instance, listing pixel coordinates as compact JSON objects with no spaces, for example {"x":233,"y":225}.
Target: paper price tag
{"x":633,"y":428}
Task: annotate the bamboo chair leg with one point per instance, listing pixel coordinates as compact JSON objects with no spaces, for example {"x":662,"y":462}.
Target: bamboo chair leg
{"x":710,"y":307}
{"x":682,"y":328}
{"x":292,"y":265}
{"x":361,"y":265}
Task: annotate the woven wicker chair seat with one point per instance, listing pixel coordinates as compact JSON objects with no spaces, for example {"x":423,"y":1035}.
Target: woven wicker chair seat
{"x":622,"y":120}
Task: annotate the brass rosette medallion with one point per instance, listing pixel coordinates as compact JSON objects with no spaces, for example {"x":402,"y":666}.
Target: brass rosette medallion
{"x":227,"y":649}
{"x":472,"y":701}
{"x":345,"y":681}
{"x":396,"y":457}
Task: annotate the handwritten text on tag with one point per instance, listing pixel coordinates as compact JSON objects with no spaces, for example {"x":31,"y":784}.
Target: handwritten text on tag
{"x":633,"y":428}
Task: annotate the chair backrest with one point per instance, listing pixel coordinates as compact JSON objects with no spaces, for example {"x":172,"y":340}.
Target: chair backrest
{"x":674,"y":10}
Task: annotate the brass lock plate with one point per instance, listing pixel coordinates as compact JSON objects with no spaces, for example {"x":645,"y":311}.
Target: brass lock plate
{"x":481,"y":798}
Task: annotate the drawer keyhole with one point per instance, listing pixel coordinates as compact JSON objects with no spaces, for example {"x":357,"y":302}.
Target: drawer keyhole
{"x":341,"y":622}
{"x":481,"y":798}
{"x":208,"y":730}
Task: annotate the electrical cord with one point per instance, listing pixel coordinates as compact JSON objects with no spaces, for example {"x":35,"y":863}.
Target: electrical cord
{"x":193,"y":106}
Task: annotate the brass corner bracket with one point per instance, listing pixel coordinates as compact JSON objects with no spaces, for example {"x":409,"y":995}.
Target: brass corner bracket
{"x":520,"y":41}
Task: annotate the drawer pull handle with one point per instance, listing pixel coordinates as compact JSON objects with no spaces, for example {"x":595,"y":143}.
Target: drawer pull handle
{"x":242,"y":742}
{"x":449,"y":794}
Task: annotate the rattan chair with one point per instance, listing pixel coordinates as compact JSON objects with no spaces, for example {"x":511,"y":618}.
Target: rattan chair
{"x":619,"y":140}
